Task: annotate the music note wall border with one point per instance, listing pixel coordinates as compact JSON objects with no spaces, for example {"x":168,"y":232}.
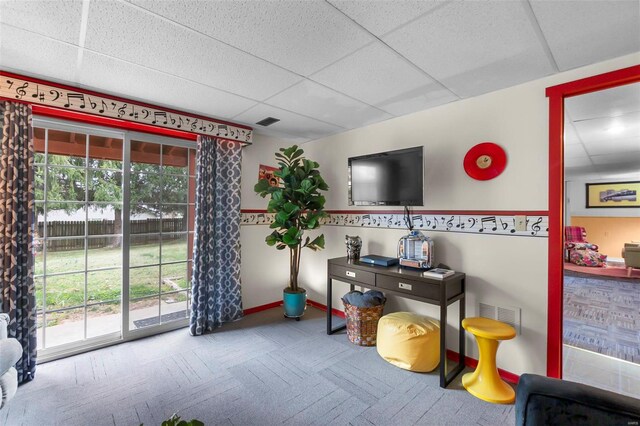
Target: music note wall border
{"x":536,"y":226}
{"x":24,"y":89}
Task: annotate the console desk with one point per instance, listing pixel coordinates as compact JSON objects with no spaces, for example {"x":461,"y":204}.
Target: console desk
{"x":404,"y":282}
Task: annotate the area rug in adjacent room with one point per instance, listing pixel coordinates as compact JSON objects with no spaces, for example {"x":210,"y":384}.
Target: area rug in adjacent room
{"x":602,"y":314}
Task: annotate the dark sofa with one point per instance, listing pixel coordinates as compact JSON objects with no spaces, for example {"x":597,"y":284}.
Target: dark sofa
{"x":544,"y":401}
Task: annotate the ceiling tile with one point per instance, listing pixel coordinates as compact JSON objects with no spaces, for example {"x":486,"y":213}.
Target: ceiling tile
{"x":378,"y":76}
{"x":301,"y":36}
{"x":584,"y":32}
{"x":130,"y":33}
{"x":570,"y":135}
{"x":290,"y":123}
{"x":577,"y":162}
{"x":474,"y":47}
{"x":280,"y":135}
{"x":314,"y":100}
{"x":608,"y":129}
{"x":56,"y":19}
{"x":22,"y":51}
{"x":575,"y":151}
{"x":612,"y":146}
{"x":622,"y":158}
{"x":382,"y":16}
{"x":605,"y":103}
{"x":107,"y":74}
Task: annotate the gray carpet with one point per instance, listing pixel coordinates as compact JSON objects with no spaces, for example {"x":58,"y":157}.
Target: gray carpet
{"x":262,"y":370}
{"x":602,"y":315}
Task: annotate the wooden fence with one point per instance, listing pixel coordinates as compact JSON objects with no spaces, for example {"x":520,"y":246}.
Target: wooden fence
{"x":145,"y":231}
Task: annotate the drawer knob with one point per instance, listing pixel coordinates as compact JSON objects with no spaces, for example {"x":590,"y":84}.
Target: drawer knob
{"x":405,"y":286}
{"x":351,"y":274}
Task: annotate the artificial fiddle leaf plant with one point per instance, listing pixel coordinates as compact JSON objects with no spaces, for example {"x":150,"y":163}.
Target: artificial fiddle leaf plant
{"x":298,"y":206}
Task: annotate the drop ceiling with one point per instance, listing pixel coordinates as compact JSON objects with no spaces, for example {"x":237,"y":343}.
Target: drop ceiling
{"x":321,"y":67}
{"x":602,"y":134}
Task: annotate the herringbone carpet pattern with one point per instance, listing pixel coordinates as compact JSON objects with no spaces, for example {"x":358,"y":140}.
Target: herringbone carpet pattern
{"x":263,"y":370}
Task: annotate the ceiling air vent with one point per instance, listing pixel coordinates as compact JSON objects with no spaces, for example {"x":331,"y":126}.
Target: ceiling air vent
{"x":268,"y":121}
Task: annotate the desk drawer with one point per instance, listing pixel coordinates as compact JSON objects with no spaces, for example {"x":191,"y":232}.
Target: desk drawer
{"x":353,"y":274}
{"x":402,"y":285}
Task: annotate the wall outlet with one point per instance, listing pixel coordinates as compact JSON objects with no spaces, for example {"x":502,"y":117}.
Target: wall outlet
{"x":521,"y":223}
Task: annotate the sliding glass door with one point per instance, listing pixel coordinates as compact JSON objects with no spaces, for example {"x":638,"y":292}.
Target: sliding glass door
{"x":161,"y":194}
{"x":113,"y":235}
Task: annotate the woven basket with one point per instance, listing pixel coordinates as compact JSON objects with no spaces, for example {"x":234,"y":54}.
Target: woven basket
{"x":362,"y":324}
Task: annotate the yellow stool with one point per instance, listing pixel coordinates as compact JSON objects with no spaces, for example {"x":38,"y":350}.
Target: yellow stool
{"x":485,"y":383}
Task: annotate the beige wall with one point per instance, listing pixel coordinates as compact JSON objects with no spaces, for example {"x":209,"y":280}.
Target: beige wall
{"x":501,"y":270}
{"x":609,"y":233}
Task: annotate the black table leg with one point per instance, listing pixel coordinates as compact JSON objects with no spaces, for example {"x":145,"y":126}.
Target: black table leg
{"x":330,"y":328}
{"x":443,"y":339}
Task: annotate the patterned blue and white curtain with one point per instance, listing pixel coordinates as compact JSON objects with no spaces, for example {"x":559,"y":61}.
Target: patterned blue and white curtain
{"x":215,"y":283}
{"x":16,"y":232}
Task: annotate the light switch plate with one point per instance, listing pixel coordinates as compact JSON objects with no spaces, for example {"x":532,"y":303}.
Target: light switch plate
{"x":521,"y":223}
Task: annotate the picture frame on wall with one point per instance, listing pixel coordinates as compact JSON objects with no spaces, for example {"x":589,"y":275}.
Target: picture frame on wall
{"x":613,"y":195}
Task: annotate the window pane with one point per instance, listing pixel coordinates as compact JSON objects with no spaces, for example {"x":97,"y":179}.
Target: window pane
{"x":104,"y":286}
{"x":174,"y":160}
{"x":65,"y":255}
{"x":173,"y":307}
{"x":39,"y":284}
{"x":144,"y":281}
{"x":192,"y":162}
{"x":65,"y":184}
{"x":103,"y":319}
{"x":38,"y":144}
{"x":145,"y":188}
{"x":175,"y":277}
{"x":65,"y":291}
{"x":38,"y":182}
{"x":174,"y":218}
{"x":144,"y":250}
{"x":104,"y":252}
{"x":66,"y":148}
{"x":65,"y":327}
{"x":174,"y":189}
{"x":144,"y":312}
{"x":40,"y":326}
{"x":105,"y":186}
{"x":65,"y":219}
{"x":145,"y":157}
{"x":174,"y":247}
{"x":192,"y":190}
{"x":105,"y":219}
{"x":38,"y":256}
{"x":38,"y":211}
{"x":105,"y":152}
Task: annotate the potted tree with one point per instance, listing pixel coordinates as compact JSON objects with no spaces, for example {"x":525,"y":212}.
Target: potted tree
{"x":298,"y":206}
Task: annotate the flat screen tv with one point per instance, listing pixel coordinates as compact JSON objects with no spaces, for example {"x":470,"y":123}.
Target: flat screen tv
{"x":393,"y":178}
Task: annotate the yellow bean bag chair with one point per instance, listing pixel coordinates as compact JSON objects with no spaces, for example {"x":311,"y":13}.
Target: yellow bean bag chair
{"x":409,"y":341}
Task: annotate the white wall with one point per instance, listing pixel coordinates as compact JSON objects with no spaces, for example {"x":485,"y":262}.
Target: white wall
{"x":502,"y":270}
{"x":265,"y":270}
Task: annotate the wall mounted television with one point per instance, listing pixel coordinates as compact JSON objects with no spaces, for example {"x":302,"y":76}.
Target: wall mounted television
{"x":392,"y":178}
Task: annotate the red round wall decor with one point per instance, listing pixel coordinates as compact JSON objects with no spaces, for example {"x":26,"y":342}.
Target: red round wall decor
{"x":485,"y":161}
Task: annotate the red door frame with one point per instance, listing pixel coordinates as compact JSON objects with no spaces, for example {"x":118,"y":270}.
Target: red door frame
{"x":556,"y":95}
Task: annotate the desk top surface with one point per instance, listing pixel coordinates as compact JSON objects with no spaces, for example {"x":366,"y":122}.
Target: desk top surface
{"x":397,"y":270}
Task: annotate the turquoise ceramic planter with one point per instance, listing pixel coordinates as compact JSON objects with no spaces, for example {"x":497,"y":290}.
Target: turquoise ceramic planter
{"x":294,"y":303}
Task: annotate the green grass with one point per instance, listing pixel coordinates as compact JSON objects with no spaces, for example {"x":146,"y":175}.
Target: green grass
{"x":102,"y":286}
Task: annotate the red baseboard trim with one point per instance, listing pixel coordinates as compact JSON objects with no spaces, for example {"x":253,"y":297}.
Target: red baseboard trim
{"x":473,"y":363}
{"x":261,"y":308}
{"x":324,"y":308}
